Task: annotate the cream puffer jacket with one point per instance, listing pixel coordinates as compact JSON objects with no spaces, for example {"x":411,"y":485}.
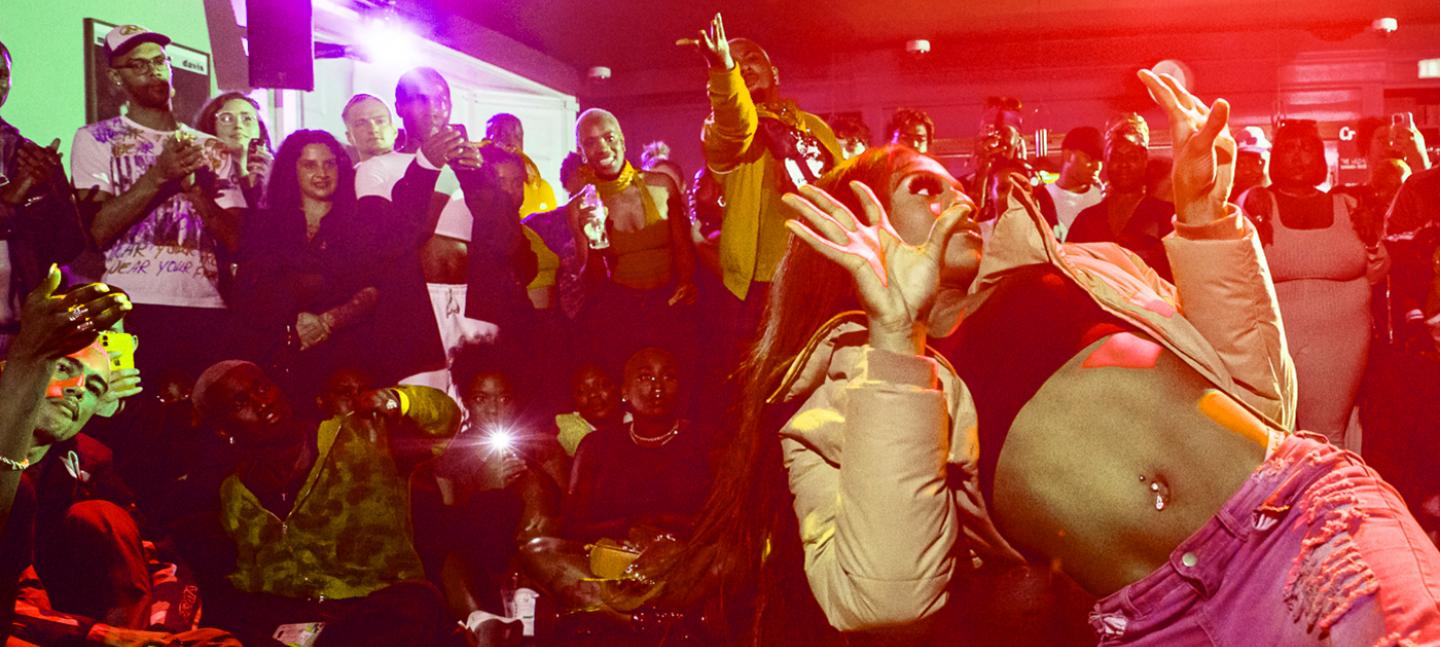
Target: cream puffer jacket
{"x":883,"y":532}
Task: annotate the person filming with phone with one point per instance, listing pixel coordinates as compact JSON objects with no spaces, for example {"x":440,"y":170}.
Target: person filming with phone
{"x":421,"y":179}
{"x":74,"y":566}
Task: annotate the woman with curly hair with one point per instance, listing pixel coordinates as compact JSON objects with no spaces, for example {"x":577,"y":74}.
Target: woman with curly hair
{"x":313,"y":267}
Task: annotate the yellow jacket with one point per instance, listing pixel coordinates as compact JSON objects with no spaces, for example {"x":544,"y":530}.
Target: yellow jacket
{"x":753,"y":234}
{"x":539,"y":196}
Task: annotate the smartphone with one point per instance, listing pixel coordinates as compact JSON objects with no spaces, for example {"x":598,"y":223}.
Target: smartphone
{"x":121,"y":346}
{"x":1401,"y":119}
{"x":462,"y":160}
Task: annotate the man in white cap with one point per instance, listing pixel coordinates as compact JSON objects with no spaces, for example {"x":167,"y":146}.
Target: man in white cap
{"x":162,"y":200}
{"x":1252,"y":162}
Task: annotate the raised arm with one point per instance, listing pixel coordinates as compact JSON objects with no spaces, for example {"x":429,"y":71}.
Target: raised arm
{"x":1220,"y":271}
{"x":50,"y":328}
{"x":879,"y":531}
{"x":730,"y":129}
{"x":431,"y":410}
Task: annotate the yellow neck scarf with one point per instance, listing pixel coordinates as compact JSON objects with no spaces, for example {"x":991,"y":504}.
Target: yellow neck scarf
{"x":627,"y":178}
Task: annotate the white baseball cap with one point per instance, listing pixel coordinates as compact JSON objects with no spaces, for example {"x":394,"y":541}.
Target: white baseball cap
{"x":1252,"y":139}
{"x":124,"y":38}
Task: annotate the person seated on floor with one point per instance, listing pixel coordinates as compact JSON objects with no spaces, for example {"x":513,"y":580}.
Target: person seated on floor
{"x":635,"y":488}
{"x":498,"y":483}
{"x":653,"y":475}
{"x":597,"y":404}
{"x":316,"y":517}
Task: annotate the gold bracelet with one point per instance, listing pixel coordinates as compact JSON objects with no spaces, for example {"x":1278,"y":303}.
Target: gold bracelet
{"x":14,"y":465}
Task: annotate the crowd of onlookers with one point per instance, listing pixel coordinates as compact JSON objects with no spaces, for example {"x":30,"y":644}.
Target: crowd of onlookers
{"x":372,"y":389}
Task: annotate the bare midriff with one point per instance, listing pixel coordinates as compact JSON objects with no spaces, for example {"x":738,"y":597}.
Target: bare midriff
{"x":1107,"y":469}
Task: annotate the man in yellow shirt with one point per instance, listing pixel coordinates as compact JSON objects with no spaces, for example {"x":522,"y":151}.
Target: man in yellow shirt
{"x":505,"y":130}
{"x":758,"y":146}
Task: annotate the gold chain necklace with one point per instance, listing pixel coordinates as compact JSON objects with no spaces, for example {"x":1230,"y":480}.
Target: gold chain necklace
{"x":657,"y":441}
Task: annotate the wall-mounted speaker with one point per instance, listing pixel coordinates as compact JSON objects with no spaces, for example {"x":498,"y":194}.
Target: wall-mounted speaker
{"x":282,"y":43}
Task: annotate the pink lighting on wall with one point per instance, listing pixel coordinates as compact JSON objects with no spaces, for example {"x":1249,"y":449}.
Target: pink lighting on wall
{"x":385,"y":40}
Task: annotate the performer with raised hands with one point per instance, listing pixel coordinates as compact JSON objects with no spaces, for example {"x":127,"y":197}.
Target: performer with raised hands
{"x":915,"y":410}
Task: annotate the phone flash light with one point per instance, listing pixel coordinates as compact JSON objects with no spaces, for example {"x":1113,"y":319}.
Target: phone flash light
{"x":501,"y":440}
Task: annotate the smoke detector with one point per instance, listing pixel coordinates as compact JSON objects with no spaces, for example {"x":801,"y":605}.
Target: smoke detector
{"x":598,"y":73}
{"x":918,"y":47}
{"x":1385,"y":26}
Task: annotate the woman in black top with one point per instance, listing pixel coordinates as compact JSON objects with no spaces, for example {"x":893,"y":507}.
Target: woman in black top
{"x":308,"y":281}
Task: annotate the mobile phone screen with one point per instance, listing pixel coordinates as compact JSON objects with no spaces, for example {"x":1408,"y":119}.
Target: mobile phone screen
{"x":121,"y":346}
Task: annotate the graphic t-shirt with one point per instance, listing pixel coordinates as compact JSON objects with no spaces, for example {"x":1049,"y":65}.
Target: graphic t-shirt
{"x":167,"y":257}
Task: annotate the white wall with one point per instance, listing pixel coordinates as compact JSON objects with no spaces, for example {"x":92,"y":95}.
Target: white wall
{"x":48,"y":97}
{"x":478,"y":91}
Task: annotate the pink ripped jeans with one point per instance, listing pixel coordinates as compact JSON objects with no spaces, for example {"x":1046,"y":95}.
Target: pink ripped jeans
{"x":1313,"y":549}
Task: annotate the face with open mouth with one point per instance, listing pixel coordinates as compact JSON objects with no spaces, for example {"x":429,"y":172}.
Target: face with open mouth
{"x":756,"y":70}
{"x":652,"y":384}
{"x":76,"y":388}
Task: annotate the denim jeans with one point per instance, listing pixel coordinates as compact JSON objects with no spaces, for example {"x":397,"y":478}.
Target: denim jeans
{"x":1314,"y":548}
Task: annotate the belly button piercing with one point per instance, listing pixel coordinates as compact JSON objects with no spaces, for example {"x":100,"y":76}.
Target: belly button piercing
{"x":1161,"y":492}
